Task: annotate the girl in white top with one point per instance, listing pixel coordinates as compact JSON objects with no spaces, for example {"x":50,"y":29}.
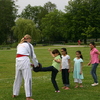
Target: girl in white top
{"x":23,"y":70}
{"x":65,"y":67}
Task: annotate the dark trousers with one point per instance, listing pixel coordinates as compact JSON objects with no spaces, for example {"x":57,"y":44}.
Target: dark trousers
{"x":53,"y":75}
{"x":65,"y":77}
{"x":93,"y":72}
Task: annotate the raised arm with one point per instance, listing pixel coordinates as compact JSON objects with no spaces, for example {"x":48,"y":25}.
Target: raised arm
{"x":51,"y":52}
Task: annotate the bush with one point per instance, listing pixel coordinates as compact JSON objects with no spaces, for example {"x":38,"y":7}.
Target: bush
{"x":14,"y":45}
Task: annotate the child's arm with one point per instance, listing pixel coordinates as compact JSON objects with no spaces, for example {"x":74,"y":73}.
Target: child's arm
{"x":69,"y":65}
{"x":98,"y":52}
{"x":81,"y":68}
{"x":89,"y":62}
{"x":50,"y":52}
{"x":61,"y":67}
{"x":57,"y":60}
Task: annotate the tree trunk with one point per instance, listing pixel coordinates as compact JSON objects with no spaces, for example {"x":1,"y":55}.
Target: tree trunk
{"x":85,"y":40}
{"x":96,"y":39}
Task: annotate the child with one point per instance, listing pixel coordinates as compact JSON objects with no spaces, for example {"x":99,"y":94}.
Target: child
{"x":54,"y":68}
{"x":78,"y":74}
{"x":65,"y":68}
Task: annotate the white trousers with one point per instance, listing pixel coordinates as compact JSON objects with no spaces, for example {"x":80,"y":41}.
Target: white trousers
{"x":23,"y":70}
{"x":78,"y":80}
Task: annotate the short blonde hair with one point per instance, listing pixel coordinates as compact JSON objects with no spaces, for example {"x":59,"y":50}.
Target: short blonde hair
{"x":25,"y":38}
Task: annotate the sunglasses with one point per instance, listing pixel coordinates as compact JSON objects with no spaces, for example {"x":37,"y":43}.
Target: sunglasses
{"x":62,"y":51}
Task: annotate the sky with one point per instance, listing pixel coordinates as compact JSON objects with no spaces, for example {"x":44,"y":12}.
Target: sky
{"x":23,"y":3}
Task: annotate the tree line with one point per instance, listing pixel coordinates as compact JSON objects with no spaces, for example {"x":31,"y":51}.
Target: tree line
{"x":79,"y":20}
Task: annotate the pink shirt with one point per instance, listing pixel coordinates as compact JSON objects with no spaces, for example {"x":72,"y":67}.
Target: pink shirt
{"x":94,"y":56}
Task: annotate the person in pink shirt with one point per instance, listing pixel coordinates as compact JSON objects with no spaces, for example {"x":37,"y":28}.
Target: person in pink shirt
{"x":94,"y":60}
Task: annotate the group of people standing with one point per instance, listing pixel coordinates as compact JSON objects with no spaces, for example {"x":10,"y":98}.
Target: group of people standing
{"x":61,"y":62}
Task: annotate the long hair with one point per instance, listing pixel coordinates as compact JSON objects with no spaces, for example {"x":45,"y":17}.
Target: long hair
{"x":64,"y":49}
{"x":56,"y":51}
{"x":25,"y":38}
{"x":80,"y":54}
{"x":93,"y":44}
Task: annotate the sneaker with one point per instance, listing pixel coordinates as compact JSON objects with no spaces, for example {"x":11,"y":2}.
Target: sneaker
{"x":95,"y":84}
{"x":57,"y":91}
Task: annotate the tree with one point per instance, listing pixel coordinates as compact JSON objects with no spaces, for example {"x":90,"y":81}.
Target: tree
{"x":81,"y":16}
{"x":25,"y":26}
{"x":52,"y":28}
{"x":49,"y":7}
{"x":36,"y":13}
{"x":8,"y":13}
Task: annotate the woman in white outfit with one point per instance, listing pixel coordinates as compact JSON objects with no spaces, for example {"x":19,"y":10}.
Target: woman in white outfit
{"x":23,"y":69}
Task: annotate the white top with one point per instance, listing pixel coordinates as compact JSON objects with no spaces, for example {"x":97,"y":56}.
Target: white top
{"x":25,"y":49}
{"x":65,"y":64}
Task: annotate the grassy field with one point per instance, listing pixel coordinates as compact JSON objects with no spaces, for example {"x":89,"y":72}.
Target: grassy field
{"x":42,"y":87}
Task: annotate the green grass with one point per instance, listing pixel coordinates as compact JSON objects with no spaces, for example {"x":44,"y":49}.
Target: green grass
{"x":42,"y":87}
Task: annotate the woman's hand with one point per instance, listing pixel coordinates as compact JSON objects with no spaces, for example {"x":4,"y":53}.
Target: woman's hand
{"x":89,"y":64}
{"x":32,"y":65}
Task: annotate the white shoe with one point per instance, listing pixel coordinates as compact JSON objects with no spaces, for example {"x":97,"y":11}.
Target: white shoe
{"x":95,"y":84}
{"x":57,"y":91}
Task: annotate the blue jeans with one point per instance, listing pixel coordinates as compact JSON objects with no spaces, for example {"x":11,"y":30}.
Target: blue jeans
{"x":53,"y":75}
{"x":93,"y":72}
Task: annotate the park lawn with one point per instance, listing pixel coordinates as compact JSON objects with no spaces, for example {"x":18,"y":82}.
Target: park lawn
{"x":42,"y":87}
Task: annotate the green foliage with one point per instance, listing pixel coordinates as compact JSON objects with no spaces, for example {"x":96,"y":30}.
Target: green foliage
{"x":88,"y":31}
{"x":83,"y":19}
{"x":25,"y":26}
{"x":7,"y":16}
{"x":36,"y":13}
{"x":51,"y":25}
{"x":49,"y":7}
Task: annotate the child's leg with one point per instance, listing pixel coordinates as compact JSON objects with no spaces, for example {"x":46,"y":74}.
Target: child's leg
{"x":53,"y":76}
{"x":67,"y":77}
{"x":63,"y":78}
{"x":80,"y":81}
{"x":50,"y":68}
{"x":76,"y":81}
